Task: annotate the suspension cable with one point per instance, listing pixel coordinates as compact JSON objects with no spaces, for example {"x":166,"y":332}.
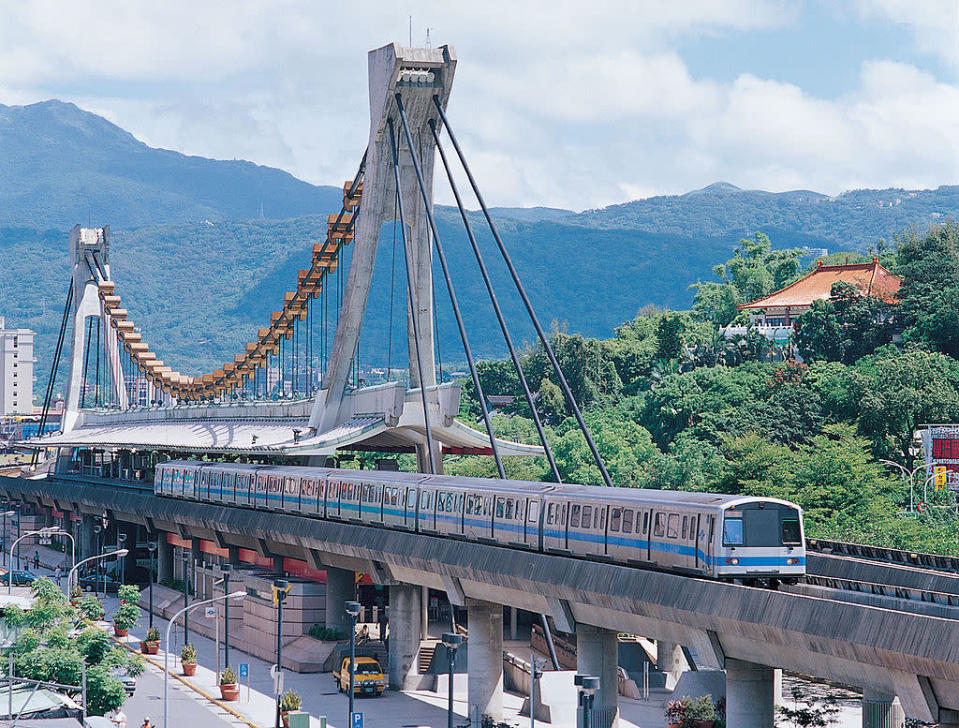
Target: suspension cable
{"x":86,"y":360}
{"x":409,"y":292}
{"x":564,"y":385}
{"x":389,"y":334}
{"x":48,"y":396}
{"x":496,"y":308}
{"x":449,"y":285}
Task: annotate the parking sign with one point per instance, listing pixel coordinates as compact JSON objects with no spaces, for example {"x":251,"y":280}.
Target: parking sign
{"x":357,"y":720}
{"x":210,"y":613}
{"x":244,"y":669}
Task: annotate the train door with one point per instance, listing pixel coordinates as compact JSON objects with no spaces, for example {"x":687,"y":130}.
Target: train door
{"x":308,"y":495}
{"x":532,"y":523}
{"x":261,"y":491}
{"x":333,"y":499}
{"x":687,"y":542}
{"x":426,"y":518}
{"x":409,"y":509}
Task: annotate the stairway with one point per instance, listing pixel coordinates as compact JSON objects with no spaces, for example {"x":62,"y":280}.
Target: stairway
{"x":426,"y":656}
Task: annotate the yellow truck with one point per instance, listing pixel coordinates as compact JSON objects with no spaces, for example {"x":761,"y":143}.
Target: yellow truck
{"x":368,"y":679}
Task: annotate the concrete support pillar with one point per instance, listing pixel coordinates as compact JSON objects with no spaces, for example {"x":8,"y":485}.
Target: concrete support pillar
{"x":340,"y":586}
{"x":485,"y":662}
{"x":881,"y":710}
{"x":752,"y":692}
{"x":164,"y":557}
{"x":513,"y":620}
{"x":425,"y":611}
{"x":597,"y":654}
{"x":405,"y":635}
{"x":234,"y":558}
{"x":670,"y":661}
{"x":88,"y":540}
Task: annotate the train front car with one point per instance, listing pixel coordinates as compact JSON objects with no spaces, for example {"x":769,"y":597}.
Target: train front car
{"x":761,"y":539}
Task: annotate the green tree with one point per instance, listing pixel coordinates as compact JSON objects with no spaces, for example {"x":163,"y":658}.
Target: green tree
{"x":846,"y":327}
{"x":930,"y":290}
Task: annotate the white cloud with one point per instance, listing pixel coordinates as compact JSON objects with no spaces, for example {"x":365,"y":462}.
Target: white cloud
{"x":556,"y":103}
{"x":934,"y":23}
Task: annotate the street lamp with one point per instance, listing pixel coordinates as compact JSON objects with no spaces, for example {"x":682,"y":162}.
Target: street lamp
{"x":227,"y":570}
{"x":280,"y":588}
{"x":909,"y":475}
{"x":121,"y":552}
{"x":39,"y":532}
{"x":121,"y":539}
{"x":352,"y":609}
{"x":186,"y":597}
{"x":588,"y":685}
{"x":534,"y":674}
{"x":452,"y":642}
{"x":98,"y":530}
{"x":152,"y":548}
{"x":166,"y":653}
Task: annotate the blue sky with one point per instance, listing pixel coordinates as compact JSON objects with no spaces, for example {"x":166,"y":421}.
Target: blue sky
{"x":568,"y":104}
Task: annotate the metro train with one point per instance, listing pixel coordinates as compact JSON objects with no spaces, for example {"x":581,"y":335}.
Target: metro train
{"x":718,"y":536}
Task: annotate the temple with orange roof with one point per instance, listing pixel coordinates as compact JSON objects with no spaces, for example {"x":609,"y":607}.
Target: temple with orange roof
{"x":780,"y":308}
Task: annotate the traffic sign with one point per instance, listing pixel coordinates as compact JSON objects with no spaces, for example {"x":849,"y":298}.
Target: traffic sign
{"x":244,"y":669}
{"x":357,"y":721}
{"x":209,"y":612}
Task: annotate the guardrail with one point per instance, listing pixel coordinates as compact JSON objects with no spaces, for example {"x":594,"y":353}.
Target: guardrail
{"x":885,"y":590}
{"x":880,"y":553}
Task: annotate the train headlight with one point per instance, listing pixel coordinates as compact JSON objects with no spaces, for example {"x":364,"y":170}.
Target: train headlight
{"x":792,"y":562}
{"x":733,"y":562}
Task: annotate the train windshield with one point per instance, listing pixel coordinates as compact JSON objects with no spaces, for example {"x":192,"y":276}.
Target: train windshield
{"x":762,"y":524}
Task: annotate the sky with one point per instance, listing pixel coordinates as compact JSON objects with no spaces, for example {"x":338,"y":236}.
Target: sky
{"x":564,"y":104}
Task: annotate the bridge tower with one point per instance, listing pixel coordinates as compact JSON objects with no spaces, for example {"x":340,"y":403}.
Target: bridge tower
{"x":417,"y":75}
{"x":90,"y":263}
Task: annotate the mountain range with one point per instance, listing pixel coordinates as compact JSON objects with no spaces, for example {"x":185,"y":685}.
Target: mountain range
{"x":203,"y":249}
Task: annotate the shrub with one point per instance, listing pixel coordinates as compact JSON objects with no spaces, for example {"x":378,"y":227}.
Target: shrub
{"x":188,"y":655}
{"x":327,"y":634}
{"x":91,"y":608}
{"x":45,"y":589}
{"x":153,"y":635}
{"x":290,"y":700}
{"x":76,"y":593}
{"x":227,"y":677}
{"x":94,"y":644}
{"x":126,"y":616}
{"x":128,"y":593}
{"x":104,"y":691}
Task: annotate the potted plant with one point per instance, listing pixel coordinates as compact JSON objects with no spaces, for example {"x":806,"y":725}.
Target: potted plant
{"x":128,"y":593}
{"x":151,"y":645}
{"x":188,"y":659}
{"x":76,"y":594}
{"x":229,"y":690}
{"x":289,"y":701}
{"x":698,"y":712}
{"x":90,"y":608}
{"x":674,"y":712}
{"x":126,"y":616}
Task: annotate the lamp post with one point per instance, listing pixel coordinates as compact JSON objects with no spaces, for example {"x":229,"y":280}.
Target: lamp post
{"x":18,"y":507}
{"x":227,"y":570}
{"x":122,"y":563}
{"x":534,"y":674}
{"x":908,"y":475}
{"x":588,"y":685}
{"x":186,"y":598}
{"x":121,"y":552}
{"x":452,"y":642}
{"x":166,"y":653}
{"x":28,"y":534}
{"x":152,"y":548}
{"x":352,"y":609}
{"x":280,"y":588}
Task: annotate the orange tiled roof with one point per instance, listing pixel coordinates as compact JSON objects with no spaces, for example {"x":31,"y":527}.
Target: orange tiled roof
{"x":870,"y":278}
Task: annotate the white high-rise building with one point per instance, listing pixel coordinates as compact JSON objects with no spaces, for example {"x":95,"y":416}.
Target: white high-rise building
{"x":16,"y":370}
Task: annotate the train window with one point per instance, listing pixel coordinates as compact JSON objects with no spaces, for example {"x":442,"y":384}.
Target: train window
{"x":599,"y":521}
{"x":627,"y":521}
{"x":500,"y":508}
{"x":685,"y":527}
{"x":510,"y":509}
{"x":334,"y":490}
{"x":291,"y":486}
{"x":587,"y":516}
{"x":533,"y":511}
{"x":411,"y":498}
{"x":562,"y":515}
{"x":791,"y":531}
{"x":616,"y":520}
{"x":574,"y":517}
{"x":551,"y":513}
{"x":733,"y":531}
{"x":659,"y":526}
{"x":672,"y":527}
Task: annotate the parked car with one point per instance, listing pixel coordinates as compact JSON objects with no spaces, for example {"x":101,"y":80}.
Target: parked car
{"x":129,"y":682}
{"x":368,"y":679}
{"x":21,"y":577}
{"x":94,"y":583}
